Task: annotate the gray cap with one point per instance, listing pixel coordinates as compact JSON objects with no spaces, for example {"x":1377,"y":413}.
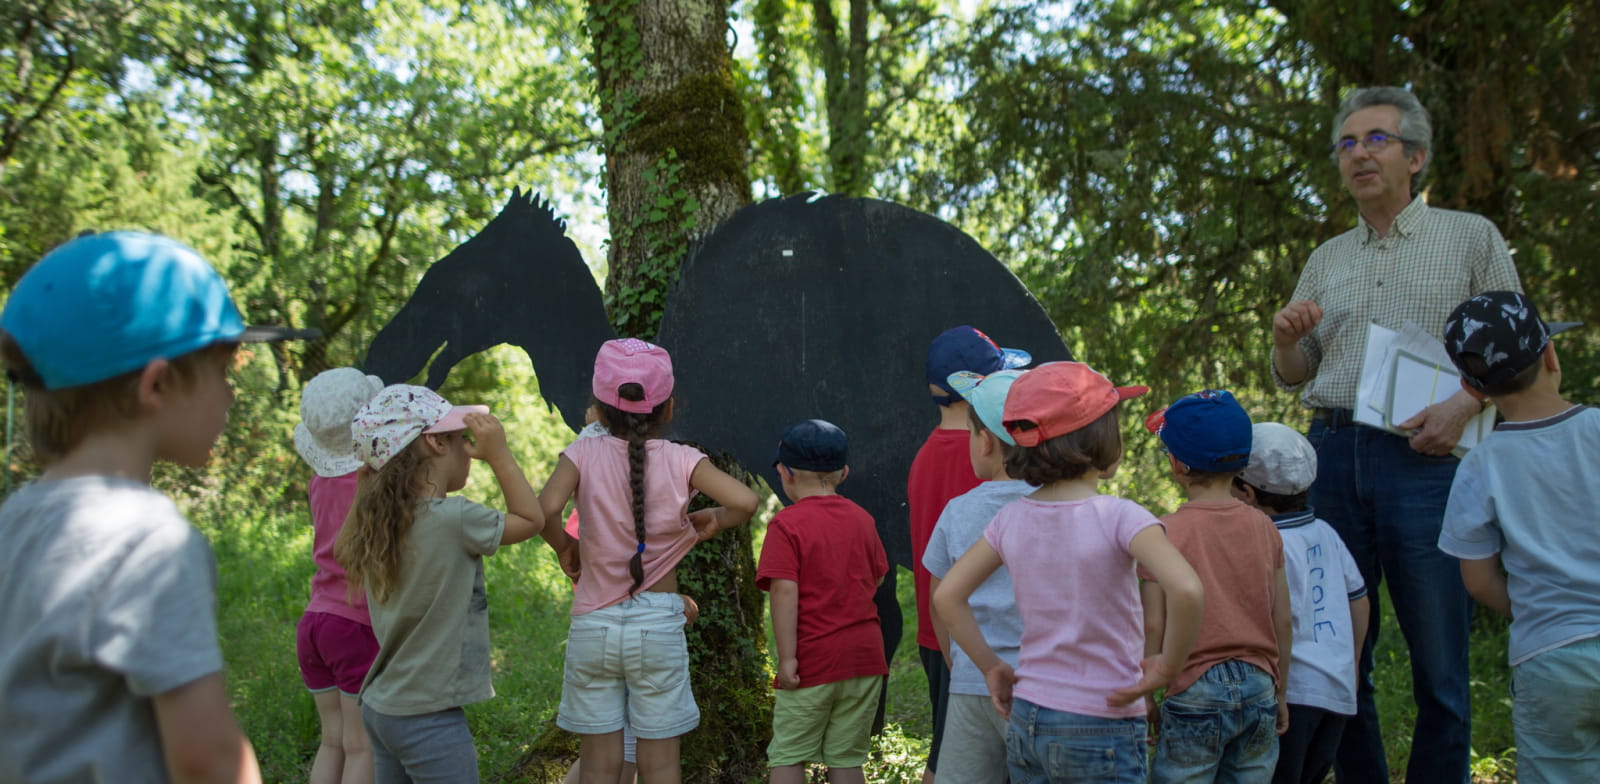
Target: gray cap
{"x":1281,"y":460}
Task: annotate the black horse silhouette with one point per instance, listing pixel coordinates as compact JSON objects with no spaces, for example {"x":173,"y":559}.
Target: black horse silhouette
{"x":793,"y":308}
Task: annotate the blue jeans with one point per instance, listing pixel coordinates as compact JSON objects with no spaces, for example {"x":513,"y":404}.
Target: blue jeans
{"x":1555,"y":712}
{"x":1044,"y":745}
{"x":1223,"y":728}
{"x":432,"y":748}
{"x":1387,"y":503}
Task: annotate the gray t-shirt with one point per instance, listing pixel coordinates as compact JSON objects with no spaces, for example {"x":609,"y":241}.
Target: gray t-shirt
{"x":107,"y":598}
{"x":433,"y":632}
{"x":993,"y":605}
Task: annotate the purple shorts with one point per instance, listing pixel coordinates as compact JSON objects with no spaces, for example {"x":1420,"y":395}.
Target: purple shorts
{"x":334,"y":651}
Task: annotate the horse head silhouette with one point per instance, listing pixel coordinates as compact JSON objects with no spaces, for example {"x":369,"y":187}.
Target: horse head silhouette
{"x":519,"y":281}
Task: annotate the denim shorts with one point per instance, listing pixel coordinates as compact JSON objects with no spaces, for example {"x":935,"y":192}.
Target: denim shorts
{"x":629,"y":663}
{"x":334,"y":652}
{"x":1555,"y":714}
{"x":1224,"y":727}
{"x":1044,"y":745}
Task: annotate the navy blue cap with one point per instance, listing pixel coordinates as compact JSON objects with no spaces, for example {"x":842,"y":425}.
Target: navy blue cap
{"x":1206,"y":431}
{"x":966,"y":348}
{"x":812,"y":445}
{"x":1503,"y":330}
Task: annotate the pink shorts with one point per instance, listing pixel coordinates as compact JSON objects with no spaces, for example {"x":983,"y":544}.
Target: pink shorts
{"x":334,"y":652}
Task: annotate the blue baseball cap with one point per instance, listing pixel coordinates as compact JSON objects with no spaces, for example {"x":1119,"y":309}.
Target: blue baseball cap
{"x":1207,"y":431}
{"x":987,"y":396}
{"x":813,"y":445}
{"x":106,"y":304}
{"x":965,"y":348}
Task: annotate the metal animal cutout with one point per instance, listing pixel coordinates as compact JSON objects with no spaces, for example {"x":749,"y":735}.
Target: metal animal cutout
{"x":793,"y":308}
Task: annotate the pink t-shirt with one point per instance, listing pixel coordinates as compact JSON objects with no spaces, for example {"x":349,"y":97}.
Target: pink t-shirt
{"x":605,"y":515}
{"x":330,"y":499}
{"x":1082,"y":621}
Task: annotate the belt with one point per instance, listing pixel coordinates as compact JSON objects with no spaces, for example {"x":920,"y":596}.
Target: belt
{"x":1334,"y":418}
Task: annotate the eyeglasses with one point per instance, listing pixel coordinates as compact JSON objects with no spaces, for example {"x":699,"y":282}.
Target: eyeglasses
{"x":1374,"y":142}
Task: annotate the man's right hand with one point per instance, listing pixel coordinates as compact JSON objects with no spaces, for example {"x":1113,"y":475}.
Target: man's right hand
{"x":1295,"y":321}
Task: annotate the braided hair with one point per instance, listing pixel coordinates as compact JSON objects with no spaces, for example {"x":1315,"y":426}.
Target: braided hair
{"x":636,"y":429}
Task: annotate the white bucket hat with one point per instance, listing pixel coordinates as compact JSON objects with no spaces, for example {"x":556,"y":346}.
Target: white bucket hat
{"x":327,"y":406}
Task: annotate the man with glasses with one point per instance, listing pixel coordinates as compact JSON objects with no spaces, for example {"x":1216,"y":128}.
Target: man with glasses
{"x":1385,"y":494}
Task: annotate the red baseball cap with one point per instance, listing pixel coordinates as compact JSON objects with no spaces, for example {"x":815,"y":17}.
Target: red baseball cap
{"x":1057,"y":398}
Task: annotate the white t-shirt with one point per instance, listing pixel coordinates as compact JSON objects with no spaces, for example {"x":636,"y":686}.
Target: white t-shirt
{"x":107,"y":598}
{"x":1323,"y":581}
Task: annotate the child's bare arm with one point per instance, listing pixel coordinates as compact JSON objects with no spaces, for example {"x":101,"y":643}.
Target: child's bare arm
{"x":738,"y":503}
{"x":1155,"y":616}
{"x":785,"y":598}
{"x":553,"y":498}
{"x":1283,"y":623}
{"x":1487,"y":583}
{"x":951,"y":602}
{"x":1360,"y":612}
{"x":939,"y":632}
{"x":199,"y":737}
{"x":1185,"y":601}
{"x":523,"y":515}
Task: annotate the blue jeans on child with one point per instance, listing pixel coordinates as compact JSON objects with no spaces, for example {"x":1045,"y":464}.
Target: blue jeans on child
{"x":1306,"y":751}
{"x":1044,"y":745}
{"x":1555,"y":713}
{"x":431,"y":748}
{"x":1387,"y":502}
{"x":629,"y":664}
{"x":1222,"y":728}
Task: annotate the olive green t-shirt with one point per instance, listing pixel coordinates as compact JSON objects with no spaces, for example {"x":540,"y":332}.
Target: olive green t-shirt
{"x":433,"y":631}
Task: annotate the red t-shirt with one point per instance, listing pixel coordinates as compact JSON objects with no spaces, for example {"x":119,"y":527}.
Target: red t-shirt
{"x":941,"y":471}
{"x":829,"y":546}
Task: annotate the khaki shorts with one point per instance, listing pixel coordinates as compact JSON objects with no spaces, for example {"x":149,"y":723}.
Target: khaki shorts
{"x":830,"y":724}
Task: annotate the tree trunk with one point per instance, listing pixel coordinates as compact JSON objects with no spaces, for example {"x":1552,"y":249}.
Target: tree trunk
{"x":676,"y":150}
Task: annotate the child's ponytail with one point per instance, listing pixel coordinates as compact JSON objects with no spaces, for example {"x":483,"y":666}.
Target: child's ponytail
{"x":636,"y":429}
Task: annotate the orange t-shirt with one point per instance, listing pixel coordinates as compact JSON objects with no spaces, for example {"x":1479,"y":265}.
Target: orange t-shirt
{"x":1237,"y":552}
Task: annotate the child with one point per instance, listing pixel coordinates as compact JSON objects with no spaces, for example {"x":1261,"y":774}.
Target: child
{"x":974,"y":743}
{"x":419,"y":552}
{"x":1222,"y":714}
{"x":1524,"y":499}
{"x":1327,"y":632}
{"x":1073,"y":699}
{"x":941,"y":471}
{"x":109,"y":664}
{"x":632,"y":489}
{"x":822,"y":562}
{"x":334,"y":641}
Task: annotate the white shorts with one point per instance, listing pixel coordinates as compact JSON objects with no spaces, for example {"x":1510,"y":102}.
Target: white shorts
{"x":629,"y":664}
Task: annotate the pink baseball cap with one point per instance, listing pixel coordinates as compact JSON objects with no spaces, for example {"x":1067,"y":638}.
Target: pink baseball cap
{"x":632,"y":361}
{"x":1058,"y":398}
{"x":393,"y":418}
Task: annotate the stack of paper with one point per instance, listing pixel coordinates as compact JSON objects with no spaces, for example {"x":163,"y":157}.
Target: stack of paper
{"x":1404,"y":372}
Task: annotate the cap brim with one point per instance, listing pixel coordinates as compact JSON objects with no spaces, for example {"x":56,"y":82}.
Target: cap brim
{"x":271,"y":334}
{"x":1013,"y":358}
{"x":1123,"y":393}
{"x":456,"y":419}
{"x":1154,"y":422}
{"x":1558,"y":327}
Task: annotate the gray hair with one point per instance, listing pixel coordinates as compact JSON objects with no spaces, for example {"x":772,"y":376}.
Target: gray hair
{"x":1415,"y":126}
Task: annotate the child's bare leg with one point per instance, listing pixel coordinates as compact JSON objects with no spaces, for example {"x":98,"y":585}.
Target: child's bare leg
{"x":658,"y":761}
{"x":328,"y":765}
{"x":357,"y":747}
{"x":788,"y":774}
{"x":600,"y":758}
{"x":846,"y":776}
